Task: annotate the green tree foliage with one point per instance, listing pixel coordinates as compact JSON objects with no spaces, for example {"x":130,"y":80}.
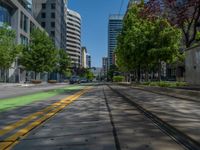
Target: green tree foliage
{"x":144,"y":42}
{"x":8,"y":48}
{"x":64,"y":62}
{"x":89,"y":75}
{"x":113,"y":70}
{"x":40,"y":55}
{"x":118,"y":78}
{"x":85,"y":73}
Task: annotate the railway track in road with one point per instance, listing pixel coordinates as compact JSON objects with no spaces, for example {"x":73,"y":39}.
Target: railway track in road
{"x":164,"y":94}
{"x":178,"y":136}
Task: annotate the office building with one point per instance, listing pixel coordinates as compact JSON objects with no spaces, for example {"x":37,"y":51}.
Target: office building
{"x":17,"y":14}
{"x":51,"y":15}
{"x":73,"y":47}
{"x":83,"y":57}
{"x":105,"y":65}
{"x":114,"y":29}
{"x":88,"y":61}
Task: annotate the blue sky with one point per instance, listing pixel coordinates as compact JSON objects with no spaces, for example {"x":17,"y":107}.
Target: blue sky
{"x":95,"y":15}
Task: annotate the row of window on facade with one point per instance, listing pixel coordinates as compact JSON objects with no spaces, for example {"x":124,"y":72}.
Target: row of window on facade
{"x":24,"y":23}
{"x":44,"y":6}
{"x":43,"y":15}
{"x":43,"y":24}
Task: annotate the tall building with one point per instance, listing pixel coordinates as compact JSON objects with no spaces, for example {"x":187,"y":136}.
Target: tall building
{"x":74,"y":37}
{"x":114,"y":29}
{"x":51,"y":15}
{"x":17,"y":14}
{"x":88,"y":61}
{"x":105,"y":65}
{"x":83,"y":57}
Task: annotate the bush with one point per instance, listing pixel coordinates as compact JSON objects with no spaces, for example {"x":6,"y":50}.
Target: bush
{"x":52,"y":81}
{"x":181,"y":84}
{"x":118,"y":78}
{"x":165,"y":84}
{"x":153,"y":84}
{"x":36,"y":81}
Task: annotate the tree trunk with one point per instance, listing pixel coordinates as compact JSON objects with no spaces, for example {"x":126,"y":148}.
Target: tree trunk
{"x":146,"y":75}
{"x":138,"y":74}
{"x":35,"y":75}
{"x":159,"y":70}
{"x":5,"y":75}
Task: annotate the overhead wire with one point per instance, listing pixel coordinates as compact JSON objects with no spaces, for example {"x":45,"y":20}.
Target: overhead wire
{"x":121,"y":5}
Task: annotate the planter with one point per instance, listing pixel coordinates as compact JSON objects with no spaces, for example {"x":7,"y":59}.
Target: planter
{"x":52,"y":81}
{"x":36,"y":81}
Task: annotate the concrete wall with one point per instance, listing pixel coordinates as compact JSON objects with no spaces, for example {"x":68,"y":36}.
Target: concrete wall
{"x":192,"y":64}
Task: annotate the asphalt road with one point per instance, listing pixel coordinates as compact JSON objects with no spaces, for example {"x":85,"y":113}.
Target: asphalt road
{"x":93,"y":118}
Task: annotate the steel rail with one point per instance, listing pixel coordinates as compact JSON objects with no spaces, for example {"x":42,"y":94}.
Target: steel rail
{"x":178,"y":136}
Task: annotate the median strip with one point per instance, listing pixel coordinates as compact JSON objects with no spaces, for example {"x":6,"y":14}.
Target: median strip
{"x":46,"y":114}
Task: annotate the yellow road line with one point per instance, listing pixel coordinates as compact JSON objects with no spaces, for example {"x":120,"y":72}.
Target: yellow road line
{"x":31,"y":117}
{"x":27,"y":119}
{"x":13,"y":139}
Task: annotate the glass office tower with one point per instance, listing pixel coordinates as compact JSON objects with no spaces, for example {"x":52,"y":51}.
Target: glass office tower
{"x":114,"y":28}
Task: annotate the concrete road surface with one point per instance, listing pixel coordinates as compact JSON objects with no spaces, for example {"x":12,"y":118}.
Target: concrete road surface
{"x":91,"y":118}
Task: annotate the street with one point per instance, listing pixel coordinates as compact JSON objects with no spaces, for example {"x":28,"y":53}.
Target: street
{"x":97,"y":117}
{"x":100,"y":75}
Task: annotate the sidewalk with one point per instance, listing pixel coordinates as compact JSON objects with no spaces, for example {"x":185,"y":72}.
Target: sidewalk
{"x":189,"y":92}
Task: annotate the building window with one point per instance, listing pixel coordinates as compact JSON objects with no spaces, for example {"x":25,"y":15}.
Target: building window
{"x":24,"y":40}
{"x":32,"y":26}
{"x":43,"y":6}
{"x":43,"y":24}
{"x":53,"y":24}
{"x":24,"y":22}
{"x":52,"y":33}
{"x":53,"y":15}
{"x":43,"y":15}
{"x":53,"y":6}
{"x":21,"y":20}
{"x":4,"y":15}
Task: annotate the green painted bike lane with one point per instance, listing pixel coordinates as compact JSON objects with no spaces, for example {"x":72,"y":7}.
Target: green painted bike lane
{"x":11,"y":103}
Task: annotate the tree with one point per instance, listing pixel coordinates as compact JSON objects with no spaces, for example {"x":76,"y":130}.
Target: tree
{"x":165,"y":43}
{"x":133,"y":42}
{"x":40,"y":55}
{"x":145,"y":41}
{"x":8,"y":48}
{"x":112,"y":71}
{"x":85,"y":73}
{"x":64,"y":62}
{"x":184,"y":14}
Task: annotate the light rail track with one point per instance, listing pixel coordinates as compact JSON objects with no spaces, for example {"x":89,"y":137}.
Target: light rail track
{"x":178,"y":136}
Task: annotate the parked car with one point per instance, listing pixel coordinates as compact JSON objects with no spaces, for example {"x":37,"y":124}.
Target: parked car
{"x":74,"y":79}
{"x":83,"y":80}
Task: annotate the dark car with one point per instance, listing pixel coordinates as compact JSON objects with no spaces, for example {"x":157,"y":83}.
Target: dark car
{"x":74,"y":79}
{"x":83,"y":80}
